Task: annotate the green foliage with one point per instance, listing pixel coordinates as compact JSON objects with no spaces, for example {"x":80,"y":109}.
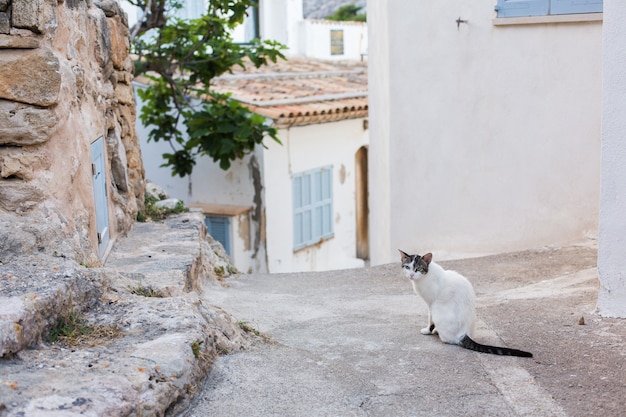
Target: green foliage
{"x":348,"y":13}
{"x":181,"y":57}
{"x":222,"y":271}
{"x":195,"y":348}
{"x":156,"y":213}
{"x":69,"y":328}
{"x":143,"y":291}
{"x":72,"y":329}
{"x":252,"y":331}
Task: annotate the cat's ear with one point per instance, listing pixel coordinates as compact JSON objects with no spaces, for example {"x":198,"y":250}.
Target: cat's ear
{"x":427,"y":258}
{"x":404,"y":257}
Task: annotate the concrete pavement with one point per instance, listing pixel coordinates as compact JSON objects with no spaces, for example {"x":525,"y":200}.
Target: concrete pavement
{"x":347,"y":343}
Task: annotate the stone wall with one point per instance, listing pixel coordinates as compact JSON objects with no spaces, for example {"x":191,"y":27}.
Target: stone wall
{"x":65,"y":81}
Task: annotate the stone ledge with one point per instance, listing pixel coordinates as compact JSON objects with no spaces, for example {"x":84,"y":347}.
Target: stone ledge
{"x":166,"y":344}
{"x":36,"y":291}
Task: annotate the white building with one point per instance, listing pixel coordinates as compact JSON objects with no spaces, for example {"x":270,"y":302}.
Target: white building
{"x":612,"y":227}
{"x":283,"y":21}
{"x":299,"y":206}
{"x":496,"y":131}
{"x":485,"y":130}
{"x":320,"y":109}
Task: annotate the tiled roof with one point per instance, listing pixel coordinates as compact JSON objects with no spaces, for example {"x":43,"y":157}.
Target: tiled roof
{"x":300,"y":91}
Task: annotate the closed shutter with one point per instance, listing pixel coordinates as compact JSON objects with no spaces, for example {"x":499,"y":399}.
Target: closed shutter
{"x":521,"y":8}
{"x":100,"y":194}
{"x":219,"y":228}
{"x":327,"y":201}
{"x":312,"y":206}
{"x":575,"y":6}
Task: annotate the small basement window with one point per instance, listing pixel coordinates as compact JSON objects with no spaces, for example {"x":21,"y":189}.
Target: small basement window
{"x":219,"y":228}
{"x":219,"y":222}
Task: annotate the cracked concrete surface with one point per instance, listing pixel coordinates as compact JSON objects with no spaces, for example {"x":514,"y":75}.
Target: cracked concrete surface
{"x":347,"y":343}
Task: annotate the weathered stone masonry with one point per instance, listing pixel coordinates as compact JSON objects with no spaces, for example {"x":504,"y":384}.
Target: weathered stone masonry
{"x":65,"y":80}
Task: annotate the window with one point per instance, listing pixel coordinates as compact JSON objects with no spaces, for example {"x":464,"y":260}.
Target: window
{"x":312,"y":206}
{"x":219,"y":228}
{"x":520,"y":8}
{"x":336,"y":42}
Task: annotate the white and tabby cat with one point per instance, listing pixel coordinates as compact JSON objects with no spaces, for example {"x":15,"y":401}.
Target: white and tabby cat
{"x":450,"y":299}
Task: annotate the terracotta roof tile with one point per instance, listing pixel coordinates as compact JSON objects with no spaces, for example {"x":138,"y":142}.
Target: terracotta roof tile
{"x":300,"y":91}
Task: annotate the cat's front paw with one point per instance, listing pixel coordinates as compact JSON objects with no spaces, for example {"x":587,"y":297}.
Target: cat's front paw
{"x":429,"y":330}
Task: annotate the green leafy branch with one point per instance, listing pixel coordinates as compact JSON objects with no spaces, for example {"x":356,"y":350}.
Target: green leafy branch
{"x":181,"y":58}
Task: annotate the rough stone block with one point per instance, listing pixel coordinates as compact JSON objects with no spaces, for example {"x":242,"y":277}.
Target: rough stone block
{"x":117,"y":156}
{"x":109,"y":7}
{"x":28,"y":14}
{"x":31,"y":77}
{"x":22,"y":164}
{"x":5,"y":23}
{"x":24,"y":125}
{"x":124,"y":94}
{"x":119,"y":44}
{"x":18,"y":196}
{"x":16,"y":42}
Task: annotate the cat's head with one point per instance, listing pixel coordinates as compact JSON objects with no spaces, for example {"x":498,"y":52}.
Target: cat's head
{"x":414,"y":266}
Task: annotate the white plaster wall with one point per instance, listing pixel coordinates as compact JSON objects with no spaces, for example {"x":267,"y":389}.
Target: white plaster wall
{"x":612,"y":224}
{"x":316,"y":39}
{"x":306,"y":148}
{"x":280,"y":21}
{"x":379,"y":129}
{"x":493,"y":132}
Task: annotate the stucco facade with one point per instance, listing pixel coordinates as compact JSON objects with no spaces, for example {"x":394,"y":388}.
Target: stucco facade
{"x":484,"y":137}
{"x":612,"y":224}
{"x":306,"y":148}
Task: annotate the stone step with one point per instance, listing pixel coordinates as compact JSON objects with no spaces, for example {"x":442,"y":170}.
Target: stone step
{"x":35,"y":292}
{"x":147,"y":355}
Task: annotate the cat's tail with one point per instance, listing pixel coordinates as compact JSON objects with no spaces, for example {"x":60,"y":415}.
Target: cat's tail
{"x":468,"y":343}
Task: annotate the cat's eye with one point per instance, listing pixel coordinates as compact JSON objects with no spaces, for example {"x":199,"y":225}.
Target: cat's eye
{"x":405,"y":266}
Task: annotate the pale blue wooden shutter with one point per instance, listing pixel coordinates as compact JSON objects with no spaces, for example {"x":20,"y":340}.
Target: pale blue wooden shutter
{"x":307,"y":221}
{"x":100,"y":194}
{"x":219,"y":228}
{"x":327,"y":198}
{"x":312,"y":206}
{"x":302,"y":211}
{"x":521,"y":8}
{"x":318,"y":209}
{"x":575,"y":6}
